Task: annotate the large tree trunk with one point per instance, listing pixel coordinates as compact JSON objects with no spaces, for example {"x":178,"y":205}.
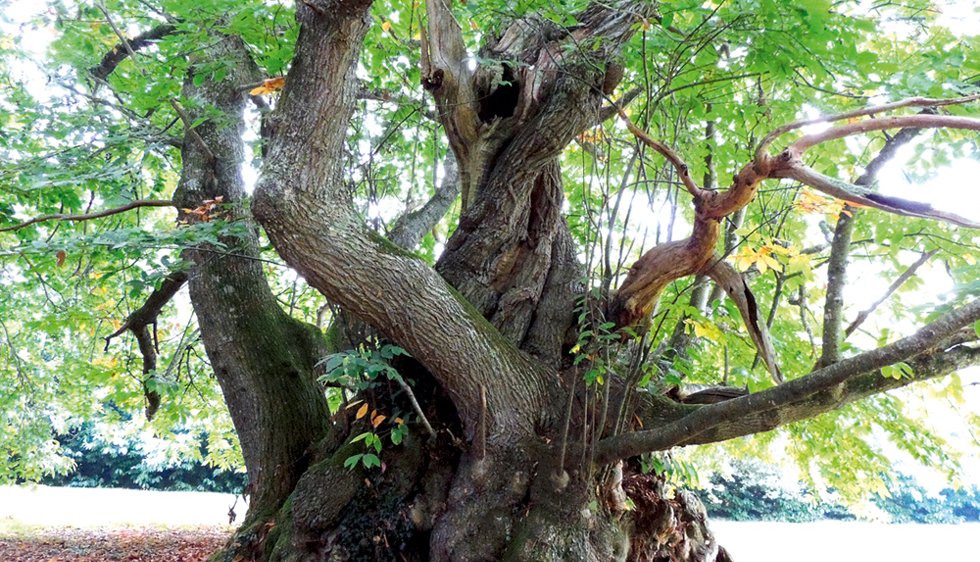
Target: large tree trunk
{"x":503,"y":476}
{"x":262,"y":358}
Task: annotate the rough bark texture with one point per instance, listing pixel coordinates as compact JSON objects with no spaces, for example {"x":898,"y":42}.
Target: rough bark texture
{"x":509,"y":456}
{"x":270,"y":388}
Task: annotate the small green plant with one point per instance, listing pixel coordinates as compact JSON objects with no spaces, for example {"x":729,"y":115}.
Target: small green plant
{"x":359,"y":370}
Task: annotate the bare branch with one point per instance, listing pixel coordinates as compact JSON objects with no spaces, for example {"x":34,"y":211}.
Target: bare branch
{"x":411,"y":227}
{"x":760,"y":152}
{"x":104,"y":213}
{"x":905,"y":276}
{"x":868,"y":198}
{"x":920,"y":121}
{"x":188,"y":126}
{"x":415,"y":405}
{"x":138,"y":323}
{"x":683,"y":171}
{"x":833,"y":309}
{"x":148,"y":313}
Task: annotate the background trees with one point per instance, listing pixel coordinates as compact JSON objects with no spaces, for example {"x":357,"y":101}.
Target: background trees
{"x":565,"y":313}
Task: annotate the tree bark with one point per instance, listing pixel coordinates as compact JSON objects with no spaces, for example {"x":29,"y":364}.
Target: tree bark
{"x":523,"y":462}
{"x":271,"y":390}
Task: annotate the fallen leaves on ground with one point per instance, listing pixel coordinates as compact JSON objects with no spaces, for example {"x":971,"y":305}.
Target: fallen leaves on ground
{"x":124,"y":544}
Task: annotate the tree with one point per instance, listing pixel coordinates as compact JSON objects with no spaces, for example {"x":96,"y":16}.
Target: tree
{"x":488,"y":400}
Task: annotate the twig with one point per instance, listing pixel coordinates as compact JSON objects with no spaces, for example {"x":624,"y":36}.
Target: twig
{"x":415,"y":405}
{"x":905,"y":276}
{"x":190,"y":130}
{"x":668,"y":153}
{"x":568,"y":419}
{"x":96,"y":215}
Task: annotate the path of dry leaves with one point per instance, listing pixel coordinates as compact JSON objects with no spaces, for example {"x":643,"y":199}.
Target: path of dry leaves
{"x":124,"y":544}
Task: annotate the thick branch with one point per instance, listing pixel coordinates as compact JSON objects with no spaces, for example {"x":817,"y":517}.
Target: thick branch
{"x":836,"y":281}
{"x":920,"y":121}
{"x":688,"y":428}
{"x":147,"y":314}
{"x":411,"y":227}
{"x":656,"y":410}
{"x":657,"y":268}
{"x":139,"y":321}
{"x":868,"y":198}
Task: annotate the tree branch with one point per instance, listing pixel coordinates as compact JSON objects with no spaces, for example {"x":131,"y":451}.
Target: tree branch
{"x":104,"y":213}
{"x":121,"y":51}
{"x":656,"y":409}
{"x":688,"y":428}
{"x":836,"y":281}
{"x":905,"y":276}
{"x":411,"y":227}
{"x":722,"y":273}
{"x":868,"y":198}
{"x":760,"y":152}
{"x":683,"y":171}
{"x":138,"y":323}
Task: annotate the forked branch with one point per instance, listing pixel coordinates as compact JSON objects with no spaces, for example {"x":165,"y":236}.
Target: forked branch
{"x":668,"y":262}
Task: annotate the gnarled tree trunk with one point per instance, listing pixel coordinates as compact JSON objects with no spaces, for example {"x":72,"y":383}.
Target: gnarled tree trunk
{"x":510,"y":455}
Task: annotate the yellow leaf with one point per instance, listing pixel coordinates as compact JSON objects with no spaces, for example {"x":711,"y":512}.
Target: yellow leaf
{"x":268,"y":86}
{"x":386,"y":26}
{"x":377,"y":420}
{"x":771,"y":262}
{"x":362,"y":411}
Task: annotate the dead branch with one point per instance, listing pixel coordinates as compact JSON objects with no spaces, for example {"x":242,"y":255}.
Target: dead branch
{"x":188,"y":126}
{"x":722,"y":273}
{"x":138,"y":323}
{"x":683,"y":171}
{"x":920,"y":121}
